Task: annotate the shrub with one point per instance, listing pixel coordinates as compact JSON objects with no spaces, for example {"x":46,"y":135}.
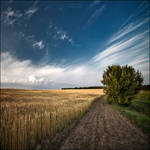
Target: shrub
{"x":121,"y":83}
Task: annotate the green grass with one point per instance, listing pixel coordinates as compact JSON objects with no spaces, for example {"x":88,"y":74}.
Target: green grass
{"x":139,"y":111}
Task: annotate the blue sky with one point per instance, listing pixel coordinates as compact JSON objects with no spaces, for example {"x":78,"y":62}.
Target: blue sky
{"x":54,"y":44}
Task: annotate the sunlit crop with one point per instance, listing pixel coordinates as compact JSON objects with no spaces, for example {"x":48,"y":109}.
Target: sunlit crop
{"x":28,"y":116}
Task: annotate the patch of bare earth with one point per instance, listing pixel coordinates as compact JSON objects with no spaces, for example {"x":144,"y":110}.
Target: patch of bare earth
{"x":102,"y":128}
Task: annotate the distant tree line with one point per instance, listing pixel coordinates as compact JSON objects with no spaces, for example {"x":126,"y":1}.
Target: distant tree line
{"x":144,"y":87}
{"x":89,"y":87}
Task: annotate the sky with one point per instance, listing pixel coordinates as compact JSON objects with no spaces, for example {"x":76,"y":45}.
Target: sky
{"x":55,"y":44}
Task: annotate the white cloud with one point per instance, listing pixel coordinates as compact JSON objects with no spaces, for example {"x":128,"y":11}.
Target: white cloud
{"x":132,"y":24}
{"x":39,"y":44}
{"x":137,"y":12}
{"x":132,"y":50}
{"x":59,"y":34}
{"x":14,"y":71}
{"x":128,"y":29}
{"x":10,"y":16}
{"x":32,"y":79}
{"x":31,"y":11}
{"x":63,"y":36}
{"x":124,"y":45}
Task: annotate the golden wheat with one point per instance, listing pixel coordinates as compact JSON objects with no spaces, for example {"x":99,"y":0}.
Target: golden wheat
{"x":28,"y":116}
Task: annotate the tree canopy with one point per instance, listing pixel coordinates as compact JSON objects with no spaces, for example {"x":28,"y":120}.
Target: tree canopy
{"x":121,"y":83}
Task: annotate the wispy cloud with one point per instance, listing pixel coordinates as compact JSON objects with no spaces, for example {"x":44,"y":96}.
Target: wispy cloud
{"x":64,"y":36}
{"x":128,"y":29}
{"x":32,"y":10}
{"x":31,"y":39}
{"x":124,"y":45}
{"x":93,"y":4}
{"x":39,"y":44}
{"x":131,"y":24}
{"x":59,"y":34}
{"x":10,"y":16}
{"x":140,"y":9}
{"x":127,"y":46}
{"x":95,"y":15}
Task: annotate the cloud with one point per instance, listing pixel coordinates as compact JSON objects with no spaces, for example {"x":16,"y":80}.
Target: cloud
{"x":25,"y":74}
{"x":63,"y":36}
{"x":31,"y":11}
{"x":60,"y":34}
{"x":125,"y":45}
{"x":95,"y":15}
{"x":132,"y":25}
{"x":137,"y":12}
{"x":31,"y":39}
{"x":93,"y":4}
{"x":132,"y":48}
{"x":39,"y":44}
{"x":128,"y":29}
{"x":10,"y":16}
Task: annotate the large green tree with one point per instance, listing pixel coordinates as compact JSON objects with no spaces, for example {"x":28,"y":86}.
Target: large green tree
{"x":121,"y":83}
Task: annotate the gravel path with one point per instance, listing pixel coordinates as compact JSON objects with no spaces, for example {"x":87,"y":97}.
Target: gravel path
{"x":105,"y":128}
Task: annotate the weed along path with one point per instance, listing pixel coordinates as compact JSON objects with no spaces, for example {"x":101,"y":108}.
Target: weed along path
{"x":103,"y":127}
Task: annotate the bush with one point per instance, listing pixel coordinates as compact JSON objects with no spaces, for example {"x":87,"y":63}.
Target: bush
{"x":121,"y":83}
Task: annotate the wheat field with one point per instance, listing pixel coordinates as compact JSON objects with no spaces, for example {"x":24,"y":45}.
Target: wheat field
{"x":28,"y":116}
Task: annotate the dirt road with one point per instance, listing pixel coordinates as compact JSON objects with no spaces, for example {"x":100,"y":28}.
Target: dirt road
{"x":104,"y":128}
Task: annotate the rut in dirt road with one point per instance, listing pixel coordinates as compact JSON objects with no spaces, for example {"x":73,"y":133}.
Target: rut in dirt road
{"x":105,"y":128}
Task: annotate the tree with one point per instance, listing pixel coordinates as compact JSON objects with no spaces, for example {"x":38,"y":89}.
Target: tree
{"x":121,"y":83}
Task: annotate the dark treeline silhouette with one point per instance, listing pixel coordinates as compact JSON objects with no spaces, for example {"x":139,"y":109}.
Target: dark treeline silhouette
{"x":89,"y":87}
{"x":146,"y":87}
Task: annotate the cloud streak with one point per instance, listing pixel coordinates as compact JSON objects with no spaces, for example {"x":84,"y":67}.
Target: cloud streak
{"x":95,"y":15}
{"x":31,"y":11}
{"x":128,"y":29}
{"x":93,"y":4}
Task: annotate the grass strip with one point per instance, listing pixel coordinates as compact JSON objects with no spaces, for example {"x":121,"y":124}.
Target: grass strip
{"x":138,"y":118}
